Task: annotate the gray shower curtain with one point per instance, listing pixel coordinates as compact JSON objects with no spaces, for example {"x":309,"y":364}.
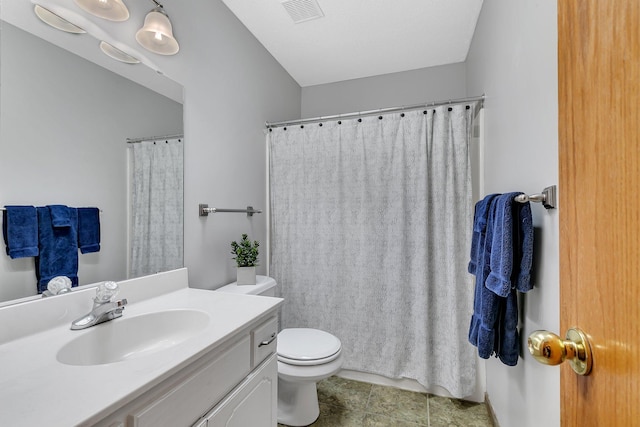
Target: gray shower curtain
{"x":156,"y":207}
{"x":371,"y":225}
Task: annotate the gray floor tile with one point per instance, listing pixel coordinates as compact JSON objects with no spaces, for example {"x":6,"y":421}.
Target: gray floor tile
{"x":376,"y":420}
{"x":347,"y":403}
{"x":399,"y":404}
{"x":334,"y":416}
{"x":445,"y":412}
{"x":352,"y":395}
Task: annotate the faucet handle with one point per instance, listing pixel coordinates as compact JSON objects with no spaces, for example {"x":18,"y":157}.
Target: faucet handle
{"x":59,"y":285}
{"x":105,"y":291}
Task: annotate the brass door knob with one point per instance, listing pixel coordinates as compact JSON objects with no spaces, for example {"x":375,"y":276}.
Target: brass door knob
{"x":549,"y":349}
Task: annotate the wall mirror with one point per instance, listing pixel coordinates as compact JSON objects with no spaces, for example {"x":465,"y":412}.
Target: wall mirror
{"x":64,"y":122}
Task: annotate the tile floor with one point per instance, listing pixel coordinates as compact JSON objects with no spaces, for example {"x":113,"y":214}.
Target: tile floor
{"x":347,"y":403}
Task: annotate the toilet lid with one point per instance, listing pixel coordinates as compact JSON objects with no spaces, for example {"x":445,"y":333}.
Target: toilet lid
{"x":305,"y":344}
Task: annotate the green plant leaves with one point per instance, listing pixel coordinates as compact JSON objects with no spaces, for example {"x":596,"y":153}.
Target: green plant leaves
{"x":246,"y":252}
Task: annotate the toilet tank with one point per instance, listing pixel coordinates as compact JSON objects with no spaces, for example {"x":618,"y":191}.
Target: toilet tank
{"x":265,"y":286}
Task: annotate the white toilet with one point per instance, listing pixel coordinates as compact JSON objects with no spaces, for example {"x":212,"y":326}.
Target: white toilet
{"x":305,"y":356}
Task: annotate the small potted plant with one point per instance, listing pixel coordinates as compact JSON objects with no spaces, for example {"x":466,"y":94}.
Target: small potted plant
{"x":246,"y":256}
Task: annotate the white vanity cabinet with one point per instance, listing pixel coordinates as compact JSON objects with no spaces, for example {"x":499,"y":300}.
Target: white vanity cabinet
{"x":253,"y":403}
{"x":179,"y":356}
{"x":233,"y":385}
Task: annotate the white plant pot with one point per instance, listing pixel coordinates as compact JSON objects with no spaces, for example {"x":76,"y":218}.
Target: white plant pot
{"x":246,"y":276}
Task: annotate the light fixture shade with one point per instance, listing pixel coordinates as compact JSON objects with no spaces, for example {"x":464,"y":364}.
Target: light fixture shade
{"x":117,"y":54}
{"x":113,"y":10}
{"x":157,"y":34}
{"x":55,"y":21}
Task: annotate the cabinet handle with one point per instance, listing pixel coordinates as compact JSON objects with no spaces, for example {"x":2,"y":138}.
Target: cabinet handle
{"x":269,"y":341}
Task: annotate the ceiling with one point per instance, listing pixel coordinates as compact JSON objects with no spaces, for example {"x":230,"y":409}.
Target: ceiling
{"x":354,"y":38}
{"x":361,"y":38}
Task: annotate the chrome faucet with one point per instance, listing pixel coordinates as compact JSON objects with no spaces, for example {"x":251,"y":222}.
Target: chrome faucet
{"x":103,"y":308}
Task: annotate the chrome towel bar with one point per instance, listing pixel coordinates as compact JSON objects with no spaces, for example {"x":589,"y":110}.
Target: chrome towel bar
{"x":205,"y":210}
{"x":547,"y":197}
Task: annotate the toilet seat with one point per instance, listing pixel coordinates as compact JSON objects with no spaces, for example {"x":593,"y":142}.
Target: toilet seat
{"x":306,"y":346}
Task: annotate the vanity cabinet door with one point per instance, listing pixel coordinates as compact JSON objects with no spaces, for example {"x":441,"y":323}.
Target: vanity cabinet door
{"x":264,"y":341}
{"x":253,"y":403}
{"x":183,"y":402}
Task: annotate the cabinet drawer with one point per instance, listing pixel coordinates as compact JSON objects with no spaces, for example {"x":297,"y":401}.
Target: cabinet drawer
{"x":188,"y":400}
{"x":264,"y":341}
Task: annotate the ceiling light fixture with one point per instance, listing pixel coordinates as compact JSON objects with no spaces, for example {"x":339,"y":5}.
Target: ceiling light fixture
{"x":117,"y":54}
{"x":55,"y":21}
{"x":112,"y":10}
{"x":156,"y":35}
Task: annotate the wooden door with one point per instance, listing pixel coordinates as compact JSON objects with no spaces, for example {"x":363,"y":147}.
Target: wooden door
{"x":599,"y":146}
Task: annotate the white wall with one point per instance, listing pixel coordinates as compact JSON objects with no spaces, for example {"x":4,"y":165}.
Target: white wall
{"x":232,"y":86}
{"x":513,"y":60}
{"x":63,"y":126}
{"x":387,"y":90}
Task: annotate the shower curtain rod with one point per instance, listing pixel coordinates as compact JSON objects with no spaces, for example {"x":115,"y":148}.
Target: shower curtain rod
{"x":373,"y":112}
{"x":151,"y":138}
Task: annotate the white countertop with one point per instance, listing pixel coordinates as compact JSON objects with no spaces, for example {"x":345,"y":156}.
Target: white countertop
{"x":36,"y":389}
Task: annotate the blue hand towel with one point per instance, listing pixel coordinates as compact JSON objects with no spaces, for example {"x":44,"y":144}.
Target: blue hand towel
{"x":508,"y":348}
{"x":58,"y":248}
{"x":89,"y":230}
{"x":524,"y":283}
{"x":60,"y":216}
{"x":480,"y":219}
{"x":508,"y":345}
{"x":486,"y":305}
{"x":504,"y":253}
{"x":20,"y":231}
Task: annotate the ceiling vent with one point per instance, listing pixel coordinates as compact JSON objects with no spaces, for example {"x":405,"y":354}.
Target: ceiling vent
{"x":302,"y":10}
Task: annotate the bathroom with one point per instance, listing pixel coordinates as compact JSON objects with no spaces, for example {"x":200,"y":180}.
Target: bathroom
{"x":232,"y":86}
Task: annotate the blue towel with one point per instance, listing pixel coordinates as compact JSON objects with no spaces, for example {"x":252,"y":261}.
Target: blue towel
{"x":480,"y":219}
{"x":502,"y":265}
{"x":502,"y":247}
{"x":486,"y":305}
{"x":60,"y":215}
{"x":512,"y":247}
{"x":89,"y":230}
{"x":523,"y":282}
{"x":507,"y":346}
{"x":58,"y":248}
{"x":20,"y":231}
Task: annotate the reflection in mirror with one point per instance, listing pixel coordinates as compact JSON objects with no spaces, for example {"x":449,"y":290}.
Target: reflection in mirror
{"x":64,"y":125}
{"x":156,"y":242}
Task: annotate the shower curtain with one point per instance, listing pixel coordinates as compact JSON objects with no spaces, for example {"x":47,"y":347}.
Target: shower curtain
{"x":371,"y":223}
{"x":156,"y":207}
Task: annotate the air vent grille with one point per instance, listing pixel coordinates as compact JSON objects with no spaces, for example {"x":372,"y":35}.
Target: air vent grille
{"x":302,"y":10}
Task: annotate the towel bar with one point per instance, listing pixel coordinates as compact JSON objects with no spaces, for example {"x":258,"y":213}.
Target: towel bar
{"x":205,"y":210}
{"x":547,"y":197}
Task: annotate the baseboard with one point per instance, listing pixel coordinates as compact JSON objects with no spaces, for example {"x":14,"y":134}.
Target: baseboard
{"x":492,"y":414}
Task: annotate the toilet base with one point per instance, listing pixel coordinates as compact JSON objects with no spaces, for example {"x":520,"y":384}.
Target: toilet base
{"x":297,"y":392}
{"x":297,"y":403}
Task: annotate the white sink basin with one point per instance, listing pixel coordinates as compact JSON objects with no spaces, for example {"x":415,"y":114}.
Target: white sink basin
{"x":132,"y":337}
